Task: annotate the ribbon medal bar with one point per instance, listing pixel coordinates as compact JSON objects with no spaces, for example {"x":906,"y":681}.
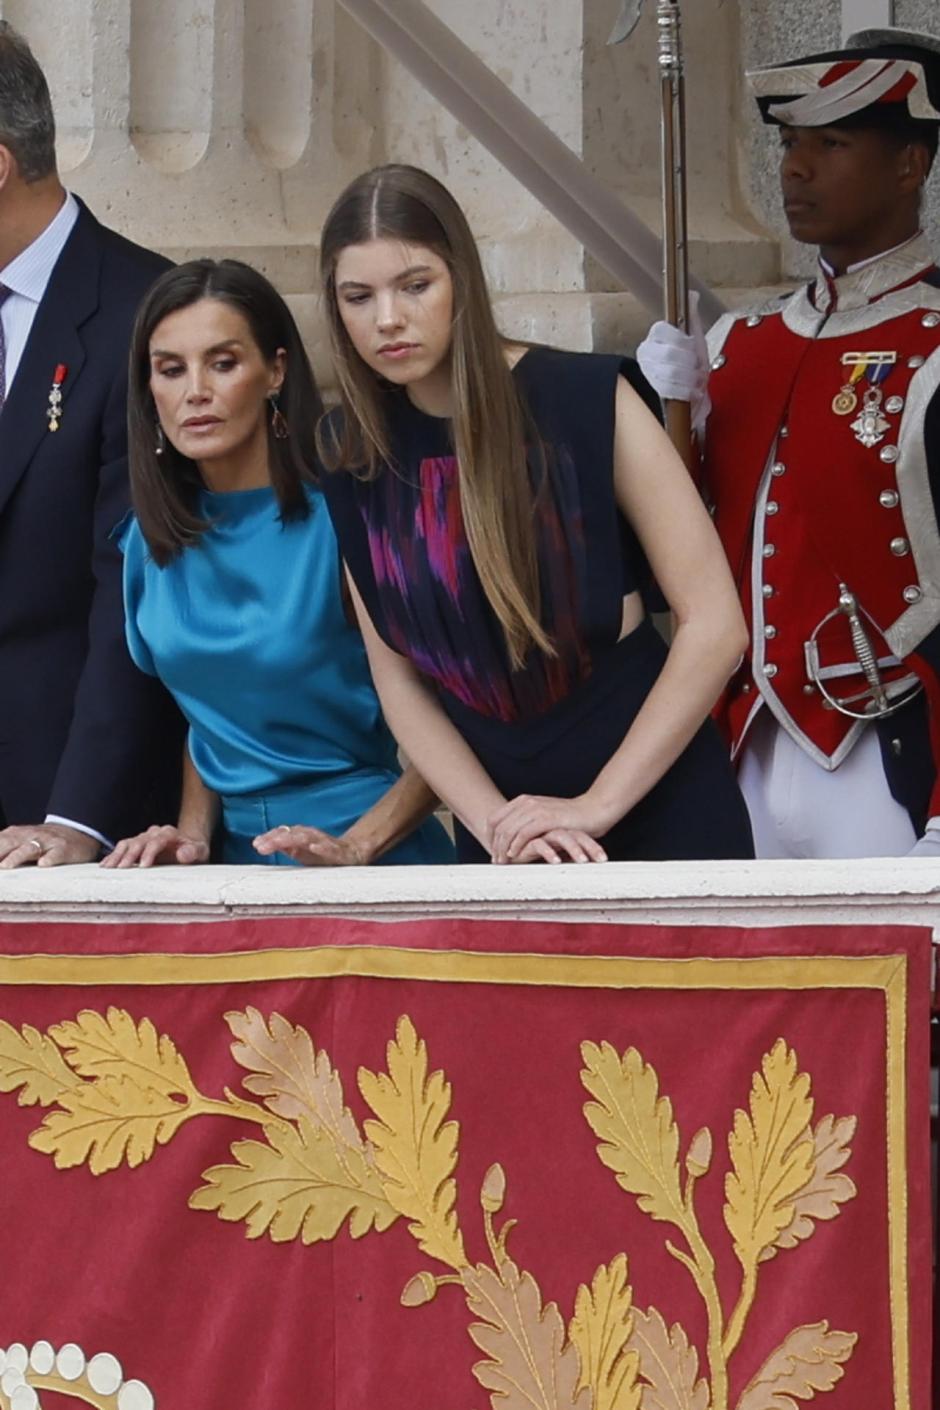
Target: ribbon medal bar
{"x":870,"y":426}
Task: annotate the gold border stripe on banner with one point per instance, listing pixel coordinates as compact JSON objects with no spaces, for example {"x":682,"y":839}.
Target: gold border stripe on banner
{"x":456,"y":966}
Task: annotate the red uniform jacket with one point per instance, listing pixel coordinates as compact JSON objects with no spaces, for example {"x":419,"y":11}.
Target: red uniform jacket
{"x":804,"y":505}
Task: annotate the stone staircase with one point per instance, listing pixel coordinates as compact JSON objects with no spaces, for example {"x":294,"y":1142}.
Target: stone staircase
{"x":740,"y":263}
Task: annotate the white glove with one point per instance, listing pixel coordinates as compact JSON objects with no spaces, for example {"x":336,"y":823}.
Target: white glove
{"x":676,"y":364}
{"x":929,"y":844}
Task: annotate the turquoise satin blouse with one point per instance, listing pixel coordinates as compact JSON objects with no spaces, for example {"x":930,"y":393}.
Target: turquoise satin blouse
{"x":248,"y":632}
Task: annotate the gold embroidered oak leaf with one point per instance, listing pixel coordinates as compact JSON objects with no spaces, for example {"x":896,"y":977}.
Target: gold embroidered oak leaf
{"x":771,"y":1154}
{"x":294,"y":1187}
{"x":827,"y":1189}
{"x":528,"y":1364}
{"x":113,"y":1045}
{"x":668,"y":1366}
{"x":107,"y":1123}
{"x":810,"y":1360}
{"x":415,"y":1147}
{"x":600,"y":1329}
{"x":639,"y":1138}
{"x":31,"y":1061}
{"x":293,"y":1078}
{"x":296,"y":1081}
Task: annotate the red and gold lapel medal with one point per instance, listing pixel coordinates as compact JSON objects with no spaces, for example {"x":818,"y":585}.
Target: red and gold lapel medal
{"x":54,"y":409}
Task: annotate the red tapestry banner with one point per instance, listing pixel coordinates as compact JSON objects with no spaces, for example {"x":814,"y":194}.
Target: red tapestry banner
{"x":320,"y":1164}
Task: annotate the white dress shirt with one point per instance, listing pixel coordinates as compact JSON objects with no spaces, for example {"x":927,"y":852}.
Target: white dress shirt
{"x":27,"y":277}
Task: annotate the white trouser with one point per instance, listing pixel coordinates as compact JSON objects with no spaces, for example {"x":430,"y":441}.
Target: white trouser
{"x":801,"y":810}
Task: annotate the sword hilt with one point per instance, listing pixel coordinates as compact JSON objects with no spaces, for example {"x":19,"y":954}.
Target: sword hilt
{"x":864,"y":652}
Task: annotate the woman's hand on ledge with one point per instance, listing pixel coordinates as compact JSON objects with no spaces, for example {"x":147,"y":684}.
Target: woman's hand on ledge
{"x":531,"y":828}
{"x":559,"y":845}
{"x":158,"y":846}
{"x":310,"y":846}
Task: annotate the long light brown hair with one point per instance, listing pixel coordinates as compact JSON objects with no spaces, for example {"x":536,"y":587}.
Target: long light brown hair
{"x":490,"y":423}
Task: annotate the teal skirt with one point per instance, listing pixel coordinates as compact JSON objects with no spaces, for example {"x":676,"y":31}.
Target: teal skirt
{"x":333,"y":805}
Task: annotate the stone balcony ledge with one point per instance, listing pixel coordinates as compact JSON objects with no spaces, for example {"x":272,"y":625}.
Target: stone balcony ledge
{"x":879,"y":891}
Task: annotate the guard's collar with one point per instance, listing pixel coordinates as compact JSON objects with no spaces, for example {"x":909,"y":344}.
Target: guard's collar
{"x":863,"y":283}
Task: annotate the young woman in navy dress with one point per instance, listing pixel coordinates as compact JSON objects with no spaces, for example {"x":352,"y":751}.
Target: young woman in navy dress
{"x":234,"y":596}
{"x":497,"y":506}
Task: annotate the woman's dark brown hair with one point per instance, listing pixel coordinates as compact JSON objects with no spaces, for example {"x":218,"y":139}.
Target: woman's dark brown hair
{"x":489,"y":421}
{"x":164,"y":487}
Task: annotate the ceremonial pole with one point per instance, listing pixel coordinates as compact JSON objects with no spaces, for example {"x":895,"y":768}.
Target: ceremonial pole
{"x":675,"y":220}
{"x":675,"y":209}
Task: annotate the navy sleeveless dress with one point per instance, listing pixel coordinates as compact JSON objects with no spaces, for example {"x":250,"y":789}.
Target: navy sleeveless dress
{"x":552,"y":726}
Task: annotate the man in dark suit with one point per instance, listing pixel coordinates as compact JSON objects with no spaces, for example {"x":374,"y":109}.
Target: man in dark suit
{"x":81,"y":730}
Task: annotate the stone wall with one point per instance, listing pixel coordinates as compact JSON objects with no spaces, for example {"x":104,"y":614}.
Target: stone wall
{"x":536,"y":50}
{"x":218,"y":127}
{"x":227,"y":126}
{"x":925,"y":16}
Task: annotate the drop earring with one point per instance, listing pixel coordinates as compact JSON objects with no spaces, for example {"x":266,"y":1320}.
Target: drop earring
{"x":279,"y":424}
{"x":160,"y":446}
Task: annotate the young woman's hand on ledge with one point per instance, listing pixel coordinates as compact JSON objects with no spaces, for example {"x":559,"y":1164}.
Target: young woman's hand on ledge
{"x":530,"y":828}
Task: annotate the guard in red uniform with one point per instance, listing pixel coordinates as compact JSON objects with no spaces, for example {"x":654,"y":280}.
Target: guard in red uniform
{"x":821,"y":457}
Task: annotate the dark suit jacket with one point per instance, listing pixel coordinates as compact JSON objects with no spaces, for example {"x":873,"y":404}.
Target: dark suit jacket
{"x":83,"y":733}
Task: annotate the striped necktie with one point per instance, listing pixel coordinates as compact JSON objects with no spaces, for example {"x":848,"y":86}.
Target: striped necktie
{"x":4,"y":295}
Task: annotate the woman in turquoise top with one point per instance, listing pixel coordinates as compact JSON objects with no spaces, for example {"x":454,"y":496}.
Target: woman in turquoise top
{"x":233,"y":594}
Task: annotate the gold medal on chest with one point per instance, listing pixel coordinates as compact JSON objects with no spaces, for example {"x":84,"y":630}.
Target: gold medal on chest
{"x":845,"y":401}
